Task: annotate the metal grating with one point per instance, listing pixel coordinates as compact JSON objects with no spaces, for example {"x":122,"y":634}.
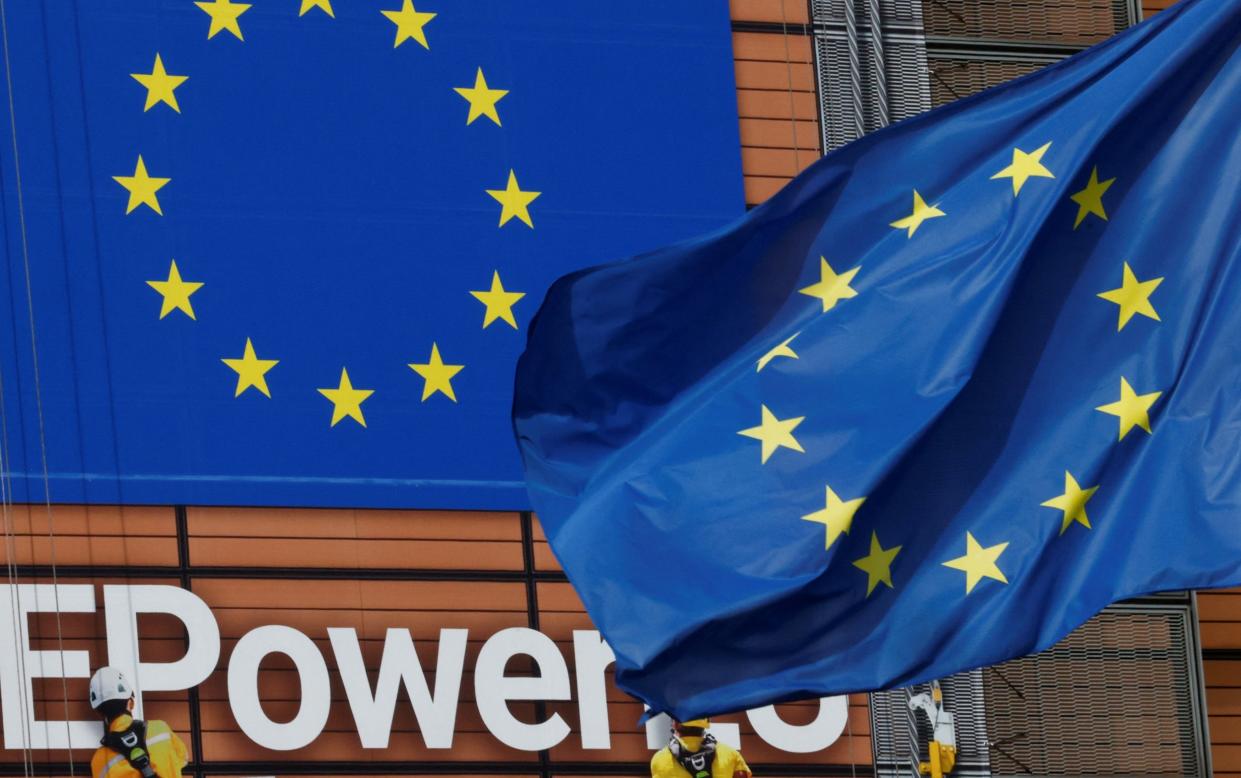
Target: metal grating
{"x":1077,"y":23}
{"x":900,"y":738}
{"x":892,"y":13}
{"x":906,"y":96}
{"x":936,"y":51}
{"x":1116,"y":697}
{"x":952,"y":78}
{"x":1067,"y":22}
{"x":894,"y":734}
{"x":1120,"y":696}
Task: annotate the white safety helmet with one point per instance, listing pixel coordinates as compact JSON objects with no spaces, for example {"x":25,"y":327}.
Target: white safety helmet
{"x":108,"y":683}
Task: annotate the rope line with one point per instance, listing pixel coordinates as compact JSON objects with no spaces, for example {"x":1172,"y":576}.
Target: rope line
{"x":34,"y":354}
{"x":10,"y":555}
{"x":127,"y":568}
{"x":788,"y":69}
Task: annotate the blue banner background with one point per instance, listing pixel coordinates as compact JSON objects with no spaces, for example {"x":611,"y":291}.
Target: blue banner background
{"x":327,"y":192}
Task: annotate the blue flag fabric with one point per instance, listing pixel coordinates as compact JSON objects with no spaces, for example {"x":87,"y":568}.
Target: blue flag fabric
{"x":956,"y":388}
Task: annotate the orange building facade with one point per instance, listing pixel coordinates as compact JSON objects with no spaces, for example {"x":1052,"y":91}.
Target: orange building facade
{"x":366,"y":571}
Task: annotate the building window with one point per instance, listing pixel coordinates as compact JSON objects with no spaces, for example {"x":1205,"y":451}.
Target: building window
{"x":931,"y":52}
{"x":1120,"y":696}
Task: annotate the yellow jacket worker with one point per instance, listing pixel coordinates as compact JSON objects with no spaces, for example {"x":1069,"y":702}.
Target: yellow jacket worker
{"x":693,"y":753}
{"x":130,"y":748}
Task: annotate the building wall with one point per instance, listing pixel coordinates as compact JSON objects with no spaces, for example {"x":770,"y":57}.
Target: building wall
{"x":427,"y":570}
{"x":1154,"y":6}
{"x":776,"y":93}
{"x":1219,"y":623}
{"x":369,"y":570}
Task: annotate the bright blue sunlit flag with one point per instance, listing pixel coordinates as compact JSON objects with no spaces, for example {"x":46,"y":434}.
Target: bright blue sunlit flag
{"x":956,"y":388}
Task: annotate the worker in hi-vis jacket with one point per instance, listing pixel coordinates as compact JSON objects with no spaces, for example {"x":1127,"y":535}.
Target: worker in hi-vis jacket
{"x":695,"y":753}
{"x":130,"y":748}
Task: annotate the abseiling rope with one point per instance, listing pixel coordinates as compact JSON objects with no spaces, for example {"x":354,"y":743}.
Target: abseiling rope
{"x":34,"y":354}
{"x":10,"y":549}
{"x":788,"y":69}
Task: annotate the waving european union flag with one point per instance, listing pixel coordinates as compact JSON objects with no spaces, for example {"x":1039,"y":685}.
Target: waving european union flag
{"x":282,"y":252}
{"x":956,"y":388}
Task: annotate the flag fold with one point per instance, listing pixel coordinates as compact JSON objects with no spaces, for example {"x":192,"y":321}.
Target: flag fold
{"x":957,"y":387}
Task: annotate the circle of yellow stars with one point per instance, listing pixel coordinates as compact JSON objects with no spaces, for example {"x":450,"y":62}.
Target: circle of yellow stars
{"x":227,"y":16}
{"x":835,"y":286}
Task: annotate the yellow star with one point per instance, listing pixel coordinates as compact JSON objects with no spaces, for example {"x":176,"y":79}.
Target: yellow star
{"x":346,"y":401}
{"x":142,"y":188}
{"x":921,"y":213}
{"x":1072,"y":502}
{"x":176,"y":293}
{"x":322,"y":5}
{"x":775,"y":433}
{"x":409,"y":24}
{"x":836,"y":516}
{"x":250,"y":370}
{"x":831,"y":288}
{"x":877,"y":564}
{"x":783,"y":350}
{"x":224,"y":15}
{"x":159,"y":85}
{"x":437,"y":376}
{"x":514,"y":200}
{"x":482,"y":99}
{"x":499,"y":302}
{"x":1090,"y":199}
{"x":1131,"y":409}
{"x":1025,"y":166}
{"x":978,"y":562}
{"x":1133,"y":297}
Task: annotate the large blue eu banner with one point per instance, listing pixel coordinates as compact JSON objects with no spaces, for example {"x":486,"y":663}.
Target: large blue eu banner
{"x":285,"y":252}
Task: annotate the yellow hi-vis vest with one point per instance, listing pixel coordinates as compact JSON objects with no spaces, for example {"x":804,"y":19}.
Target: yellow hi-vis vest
{"x":168,"y":754}
{"x":728,"y":763}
